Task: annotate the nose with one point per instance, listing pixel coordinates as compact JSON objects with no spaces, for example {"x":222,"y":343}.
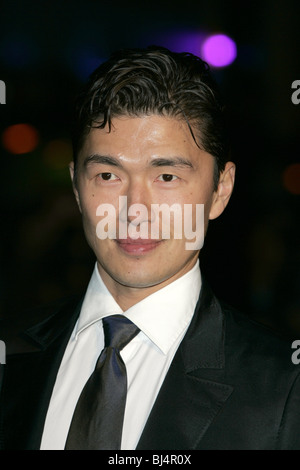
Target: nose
{"x":138,"y":202}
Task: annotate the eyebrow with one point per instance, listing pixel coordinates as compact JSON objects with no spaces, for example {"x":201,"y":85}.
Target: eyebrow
{"x":172,"y":161}
{"x":155,"y":162}
{"x":101,"y":159}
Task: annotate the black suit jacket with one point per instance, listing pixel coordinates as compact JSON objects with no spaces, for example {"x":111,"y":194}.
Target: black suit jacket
{"x":231,"y":385}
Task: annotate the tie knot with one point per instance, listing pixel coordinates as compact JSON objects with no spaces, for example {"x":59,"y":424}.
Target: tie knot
{"x":118,"y":331}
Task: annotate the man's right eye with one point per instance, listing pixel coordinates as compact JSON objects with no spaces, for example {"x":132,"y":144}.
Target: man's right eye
{"x":107,"y":176}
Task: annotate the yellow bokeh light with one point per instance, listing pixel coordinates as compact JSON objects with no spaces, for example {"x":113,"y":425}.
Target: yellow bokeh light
{"x":291,"y":178}
{"x":57,"y":154}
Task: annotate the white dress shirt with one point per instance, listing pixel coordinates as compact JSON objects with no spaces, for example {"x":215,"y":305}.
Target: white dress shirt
{"x":163,"y":318}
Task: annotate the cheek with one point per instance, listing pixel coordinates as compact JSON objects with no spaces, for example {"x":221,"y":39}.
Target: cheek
{"x":207,"y":207}
{"x":89,"y":208}
{"x":200,"y":202}
{"x":89,"y":199}
{"x":89,"y":215}
{"x":203,"y":197}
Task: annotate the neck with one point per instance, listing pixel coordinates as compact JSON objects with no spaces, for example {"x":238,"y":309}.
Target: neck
{"x":127,"y":296}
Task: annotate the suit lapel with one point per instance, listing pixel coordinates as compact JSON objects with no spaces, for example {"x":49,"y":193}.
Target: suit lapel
{"x":193,"y":391}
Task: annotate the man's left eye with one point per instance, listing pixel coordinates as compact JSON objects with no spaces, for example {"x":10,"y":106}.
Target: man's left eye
{"x":167,"y":178}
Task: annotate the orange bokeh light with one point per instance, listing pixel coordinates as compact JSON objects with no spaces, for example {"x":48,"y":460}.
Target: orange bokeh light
{"x":291,"y":178}
{"x":20,"y":138}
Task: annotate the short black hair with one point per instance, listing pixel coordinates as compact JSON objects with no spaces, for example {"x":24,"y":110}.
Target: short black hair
{"x":154,"y":80}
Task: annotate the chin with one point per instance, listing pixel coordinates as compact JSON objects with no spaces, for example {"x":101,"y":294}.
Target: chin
{"x":137,"y":281}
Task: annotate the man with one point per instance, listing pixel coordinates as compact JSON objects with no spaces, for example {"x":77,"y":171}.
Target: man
{"x":149,"y":134}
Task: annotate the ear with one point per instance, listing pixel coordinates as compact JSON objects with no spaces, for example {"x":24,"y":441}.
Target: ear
{"x":222,"y":195}
{"x":74,"y":183}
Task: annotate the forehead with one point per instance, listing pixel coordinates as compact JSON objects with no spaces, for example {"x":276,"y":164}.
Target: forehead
{"x":146,"y":132}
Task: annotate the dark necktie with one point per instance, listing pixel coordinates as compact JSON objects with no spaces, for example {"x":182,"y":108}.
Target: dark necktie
{"x":98,"y":417}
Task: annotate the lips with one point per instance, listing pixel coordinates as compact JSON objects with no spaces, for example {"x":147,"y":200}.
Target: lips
{"x":138,"y":245}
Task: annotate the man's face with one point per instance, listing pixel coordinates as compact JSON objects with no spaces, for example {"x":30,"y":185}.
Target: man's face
{"x":150,"y":160}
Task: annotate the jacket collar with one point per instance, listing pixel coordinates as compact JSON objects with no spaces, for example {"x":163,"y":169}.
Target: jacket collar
{"x":204,"y":341}
{"x":194,"y":391}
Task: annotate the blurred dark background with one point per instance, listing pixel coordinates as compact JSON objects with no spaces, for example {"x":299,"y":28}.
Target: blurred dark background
{"x":47,"y":51}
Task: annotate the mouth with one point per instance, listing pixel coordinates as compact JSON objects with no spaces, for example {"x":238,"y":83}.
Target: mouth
{"x":138,"y":246}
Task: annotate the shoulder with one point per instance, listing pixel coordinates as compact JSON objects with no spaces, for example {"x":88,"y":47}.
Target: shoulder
{"x":258,"y":345}
{"x":13,"y":328}
{"x":244,"y":324}
{"x":260,"y":364}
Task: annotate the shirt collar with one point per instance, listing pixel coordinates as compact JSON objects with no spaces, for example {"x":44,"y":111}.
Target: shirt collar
{"x":162,"y":316}
{"x":97,"y":304}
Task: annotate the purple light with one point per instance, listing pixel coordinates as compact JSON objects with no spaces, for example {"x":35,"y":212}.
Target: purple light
{"x":83,"y":60}
{"x":219,"y":50}
{"x":179,"y":41}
